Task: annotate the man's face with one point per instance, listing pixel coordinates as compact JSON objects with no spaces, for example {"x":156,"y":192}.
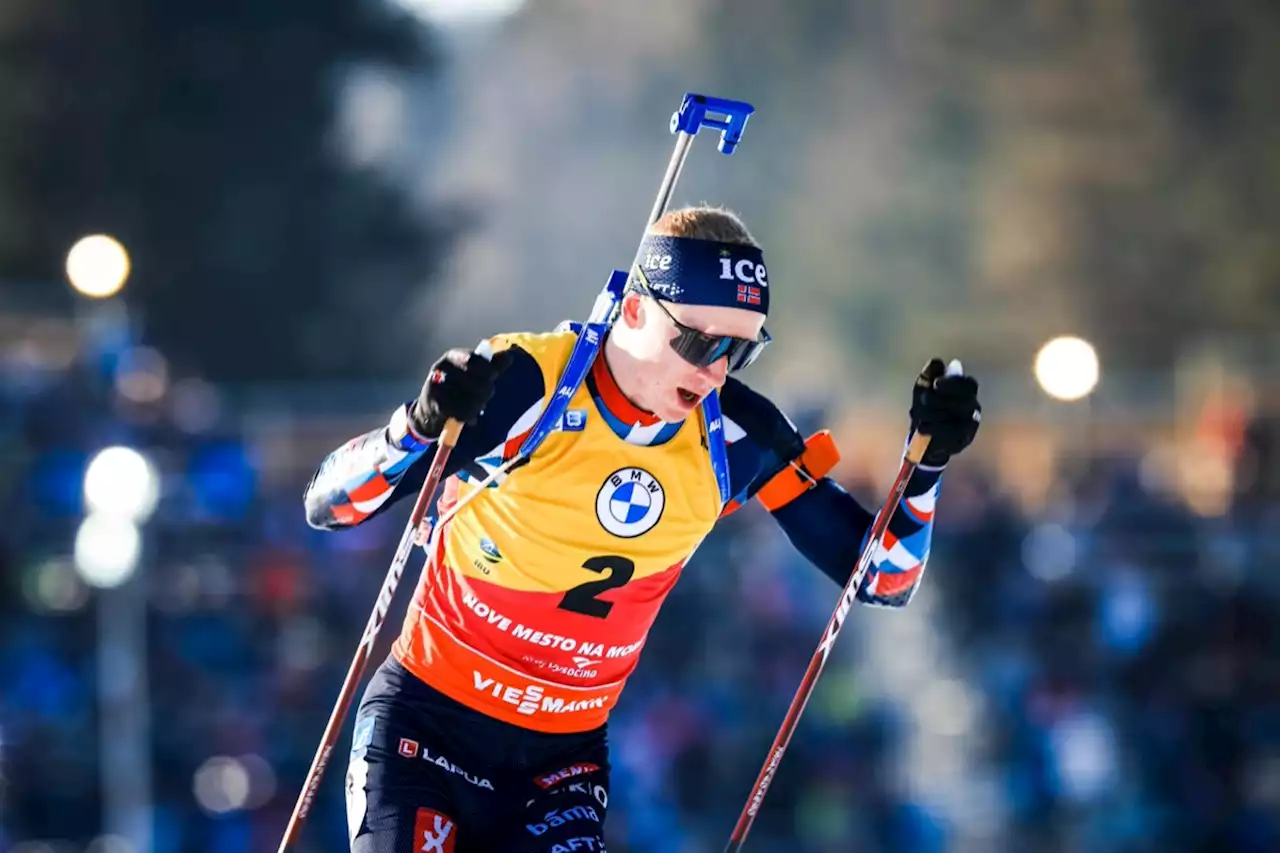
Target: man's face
{"x":672,"y":387}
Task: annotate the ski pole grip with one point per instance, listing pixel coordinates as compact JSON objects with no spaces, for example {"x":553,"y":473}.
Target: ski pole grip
{"x":696,"y":112}
{"x":916,"y":450}
{"x":451,"y":433}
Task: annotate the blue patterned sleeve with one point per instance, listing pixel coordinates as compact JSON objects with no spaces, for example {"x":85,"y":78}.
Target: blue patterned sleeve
{"x":373,"y":471}
{"x":770,"y":460}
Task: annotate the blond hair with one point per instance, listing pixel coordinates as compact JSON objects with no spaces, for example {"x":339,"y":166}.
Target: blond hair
{"x":704,"y":223}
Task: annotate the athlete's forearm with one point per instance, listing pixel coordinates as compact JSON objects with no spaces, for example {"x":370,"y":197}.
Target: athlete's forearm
{"x":372,"y":472}
{"x":900,"y":559}
{"x":828,"y":526}
{"x":366,"y":475}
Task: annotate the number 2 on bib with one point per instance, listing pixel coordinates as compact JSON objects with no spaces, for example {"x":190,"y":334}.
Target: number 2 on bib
{"x":582,"y":598}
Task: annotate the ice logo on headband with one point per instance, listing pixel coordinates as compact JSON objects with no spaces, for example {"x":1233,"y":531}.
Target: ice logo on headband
{"x":745,"y":270}
{"x":704,"y":272}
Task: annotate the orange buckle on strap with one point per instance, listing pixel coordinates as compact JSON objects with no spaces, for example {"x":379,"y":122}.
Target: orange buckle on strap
{"x":820,"y":456}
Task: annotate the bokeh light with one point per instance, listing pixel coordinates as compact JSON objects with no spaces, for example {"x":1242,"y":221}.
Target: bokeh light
{"x":98,"y":266}
{"x":106,"y":550}
{"x":1067,"y":368}
{"x":225,"y":784}
{"x":143,"y":375}
{"x":121,"y":482}
{"x":53,"y":586}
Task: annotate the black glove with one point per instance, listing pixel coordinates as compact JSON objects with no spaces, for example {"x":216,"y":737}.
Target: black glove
{"x":458,"y":387}
{"x":946,"y":409}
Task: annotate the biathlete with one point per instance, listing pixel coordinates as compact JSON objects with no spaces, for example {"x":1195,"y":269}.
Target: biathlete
{"x":485,"y":729}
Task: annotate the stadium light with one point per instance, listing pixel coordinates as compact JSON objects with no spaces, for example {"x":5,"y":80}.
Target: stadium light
{"x":122,"y":483}
{"x":106,"y":550}
{"x":1067,"y":368}
{"x":97,"y":266}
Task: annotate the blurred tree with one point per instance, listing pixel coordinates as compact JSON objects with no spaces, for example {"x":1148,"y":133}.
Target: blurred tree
{"x":876,"y":138}
{"x":1213,"y":68}
{"x":202,"y":135}
{"x":984,"y":175}
{"x":1070,"y":238}
{"x":1131,"y":188}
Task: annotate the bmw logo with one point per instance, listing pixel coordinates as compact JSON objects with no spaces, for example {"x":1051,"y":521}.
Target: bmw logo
{"x":630,"y":502}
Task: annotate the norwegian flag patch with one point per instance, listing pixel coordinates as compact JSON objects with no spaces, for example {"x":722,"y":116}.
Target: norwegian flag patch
{"x":748,"y":294}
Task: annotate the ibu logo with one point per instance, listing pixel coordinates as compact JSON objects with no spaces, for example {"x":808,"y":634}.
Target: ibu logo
{"x":490,"y":551}
{"x":630,"y":502}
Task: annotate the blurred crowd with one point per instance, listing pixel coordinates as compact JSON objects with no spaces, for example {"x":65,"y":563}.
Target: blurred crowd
{"x":1129,"y":654}
{"x":1123,"y":649}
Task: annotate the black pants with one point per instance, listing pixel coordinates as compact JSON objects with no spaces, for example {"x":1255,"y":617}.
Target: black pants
{"x":429,"y":775}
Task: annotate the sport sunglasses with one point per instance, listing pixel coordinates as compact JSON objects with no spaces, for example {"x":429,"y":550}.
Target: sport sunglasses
{"x":703,"y":350}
